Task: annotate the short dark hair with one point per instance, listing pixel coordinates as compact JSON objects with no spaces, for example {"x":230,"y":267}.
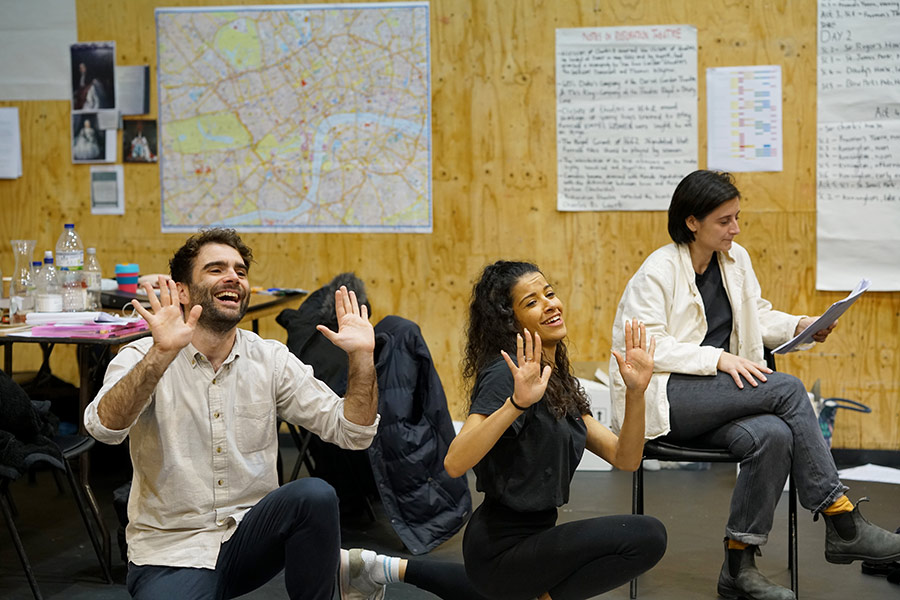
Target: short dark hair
{"x":697,"y":195}
{"x":181,"y":265}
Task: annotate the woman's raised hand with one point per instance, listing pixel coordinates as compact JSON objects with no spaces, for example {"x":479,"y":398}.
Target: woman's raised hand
{"x":530,"y":379}
{"x":170,"y":331}
{"x":636,"y":366}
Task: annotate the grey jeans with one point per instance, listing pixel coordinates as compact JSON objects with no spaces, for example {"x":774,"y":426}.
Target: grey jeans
{"x":774,"y":430}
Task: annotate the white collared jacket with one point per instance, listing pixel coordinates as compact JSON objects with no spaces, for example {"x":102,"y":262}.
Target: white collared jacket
{"x":664,"y":295}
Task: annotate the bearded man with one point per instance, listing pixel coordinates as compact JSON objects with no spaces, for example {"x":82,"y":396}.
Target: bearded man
{"x":199,"y":401}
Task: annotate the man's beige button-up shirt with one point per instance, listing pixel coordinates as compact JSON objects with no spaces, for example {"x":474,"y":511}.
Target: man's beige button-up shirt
{"x":204,"y":448}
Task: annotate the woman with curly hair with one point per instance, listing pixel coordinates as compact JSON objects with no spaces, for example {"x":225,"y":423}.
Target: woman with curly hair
{"x":528,"y":425}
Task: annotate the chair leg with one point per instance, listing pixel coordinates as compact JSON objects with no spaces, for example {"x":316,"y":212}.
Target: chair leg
{"x":82,"y":508}
{"x":95,"y":508}
{"x":302,"y":441}
{"x":17,"y":541}
{"x":637,"y":508}
{"x":370,"y":510}
{"x":279,"y":466}
{"x":792,"y":537}
{"x":298,"y":443}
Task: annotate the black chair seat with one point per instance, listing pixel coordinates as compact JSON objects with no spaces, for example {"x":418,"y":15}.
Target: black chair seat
{"x":662,"y":450}
{"x":73,"y":445}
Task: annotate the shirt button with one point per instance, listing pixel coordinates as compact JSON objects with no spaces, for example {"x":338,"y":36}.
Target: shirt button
{"x":215,"y":415}
{"x":219,"y":450}
{"x":221,"y":482}
{"x":214,"y":380}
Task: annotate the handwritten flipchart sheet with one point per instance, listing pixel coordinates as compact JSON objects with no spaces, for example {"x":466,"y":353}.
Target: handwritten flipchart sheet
{"x":858,"y":149}
{"x":626,"y":118}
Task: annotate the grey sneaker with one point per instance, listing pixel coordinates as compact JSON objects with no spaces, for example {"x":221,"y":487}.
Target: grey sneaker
{"x":356,"y":583}
{"x":871,"y":543}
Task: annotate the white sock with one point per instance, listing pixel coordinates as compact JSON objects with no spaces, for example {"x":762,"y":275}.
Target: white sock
{"x":382,"y":569}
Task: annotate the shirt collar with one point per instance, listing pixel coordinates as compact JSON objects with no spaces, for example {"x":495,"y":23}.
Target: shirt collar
{"x":240,"y":343}
{"x":685,"y":254}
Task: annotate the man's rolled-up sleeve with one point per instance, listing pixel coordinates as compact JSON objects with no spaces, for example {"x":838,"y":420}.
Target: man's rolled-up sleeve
{"x":305,"y":401}
{"x":123,"y":362}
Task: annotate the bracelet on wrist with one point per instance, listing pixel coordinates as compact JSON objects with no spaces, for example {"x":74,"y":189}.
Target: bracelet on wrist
{"x":513,"y":400}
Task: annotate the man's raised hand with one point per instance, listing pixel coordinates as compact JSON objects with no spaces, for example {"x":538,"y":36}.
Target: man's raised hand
{"x":355,"y":333}
{"x":170,"y":331}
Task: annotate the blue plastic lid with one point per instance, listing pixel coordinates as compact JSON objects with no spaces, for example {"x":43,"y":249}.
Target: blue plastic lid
{"x":69,"y":225}
{"x":128,"y":268}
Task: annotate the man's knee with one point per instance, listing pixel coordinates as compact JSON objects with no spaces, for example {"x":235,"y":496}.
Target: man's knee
{"x":311,"y":489}
{"x":310,"y":496}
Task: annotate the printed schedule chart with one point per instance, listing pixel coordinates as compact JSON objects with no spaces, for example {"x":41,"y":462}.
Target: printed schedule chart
{"x":744,"y":118}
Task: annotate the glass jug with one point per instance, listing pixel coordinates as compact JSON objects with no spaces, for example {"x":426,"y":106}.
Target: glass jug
{"x":21,"y":285}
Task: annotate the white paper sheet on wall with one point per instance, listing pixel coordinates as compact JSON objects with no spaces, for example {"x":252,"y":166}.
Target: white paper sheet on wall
{"x":10,"y":144}
{"x":626,"y":115}
{"x":133,"y":89}
{"x":743,"y":107}
{"x":34,"y":41}
{"x":858,"y":150}
{"x":107,"y":190}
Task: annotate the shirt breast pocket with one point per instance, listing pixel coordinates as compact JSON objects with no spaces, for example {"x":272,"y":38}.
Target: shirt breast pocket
{"x":254,"y":425}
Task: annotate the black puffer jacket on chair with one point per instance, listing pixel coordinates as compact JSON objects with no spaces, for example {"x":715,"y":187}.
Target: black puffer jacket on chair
{"x":425,"y":504}
{"x":406,"y":459}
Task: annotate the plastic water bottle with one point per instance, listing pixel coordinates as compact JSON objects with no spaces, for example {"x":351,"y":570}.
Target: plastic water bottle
{"x":70,"y":263}
{"x":49,"y":294}
{"x":35,"y":269}
{"x":92,"y":278}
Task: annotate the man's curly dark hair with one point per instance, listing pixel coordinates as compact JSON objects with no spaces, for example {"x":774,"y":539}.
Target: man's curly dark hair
{"x":182,"y":264}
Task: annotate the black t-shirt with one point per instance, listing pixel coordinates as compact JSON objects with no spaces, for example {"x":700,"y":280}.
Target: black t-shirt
{"x":716,"y":305}
{"x":531,"y":465}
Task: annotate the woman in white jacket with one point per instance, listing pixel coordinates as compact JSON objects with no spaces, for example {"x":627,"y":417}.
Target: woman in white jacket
{"x":700,"y":300}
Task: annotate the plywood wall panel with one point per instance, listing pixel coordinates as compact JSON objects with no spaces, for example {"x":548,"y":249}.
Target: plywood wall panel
{"x":494,"y":188}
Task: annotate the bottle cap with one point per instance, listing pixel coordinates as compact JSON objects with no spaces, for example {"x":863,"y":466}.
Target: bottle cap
{"x":48,"y":254}
{"x":91,"y":251}
{"x":69,"y":226}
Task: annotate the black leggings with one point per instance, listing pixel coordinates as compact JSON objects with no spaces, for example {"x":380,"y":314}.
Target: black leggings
{"x":511,"y":555}
{"x":445,"y":580}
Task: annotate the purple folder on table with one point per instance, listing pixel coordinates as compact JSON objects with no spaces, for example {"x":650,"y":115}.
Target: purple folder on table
{"x":89,"y":330}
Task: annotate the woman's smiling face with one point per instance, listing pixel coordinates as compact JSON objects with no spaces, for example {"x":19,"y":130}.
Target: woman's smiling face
{"x":538,"y":309}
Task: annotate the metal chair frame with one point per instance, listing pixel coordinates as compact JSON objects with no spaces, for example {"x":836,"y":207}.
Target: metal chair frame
{"x":655,"y":449}
{"x":72,"y":447}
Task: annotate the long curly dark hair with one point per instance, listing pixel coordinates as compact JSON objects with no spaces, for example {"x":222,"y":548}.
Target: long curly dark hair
{"x":493,"y":327}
